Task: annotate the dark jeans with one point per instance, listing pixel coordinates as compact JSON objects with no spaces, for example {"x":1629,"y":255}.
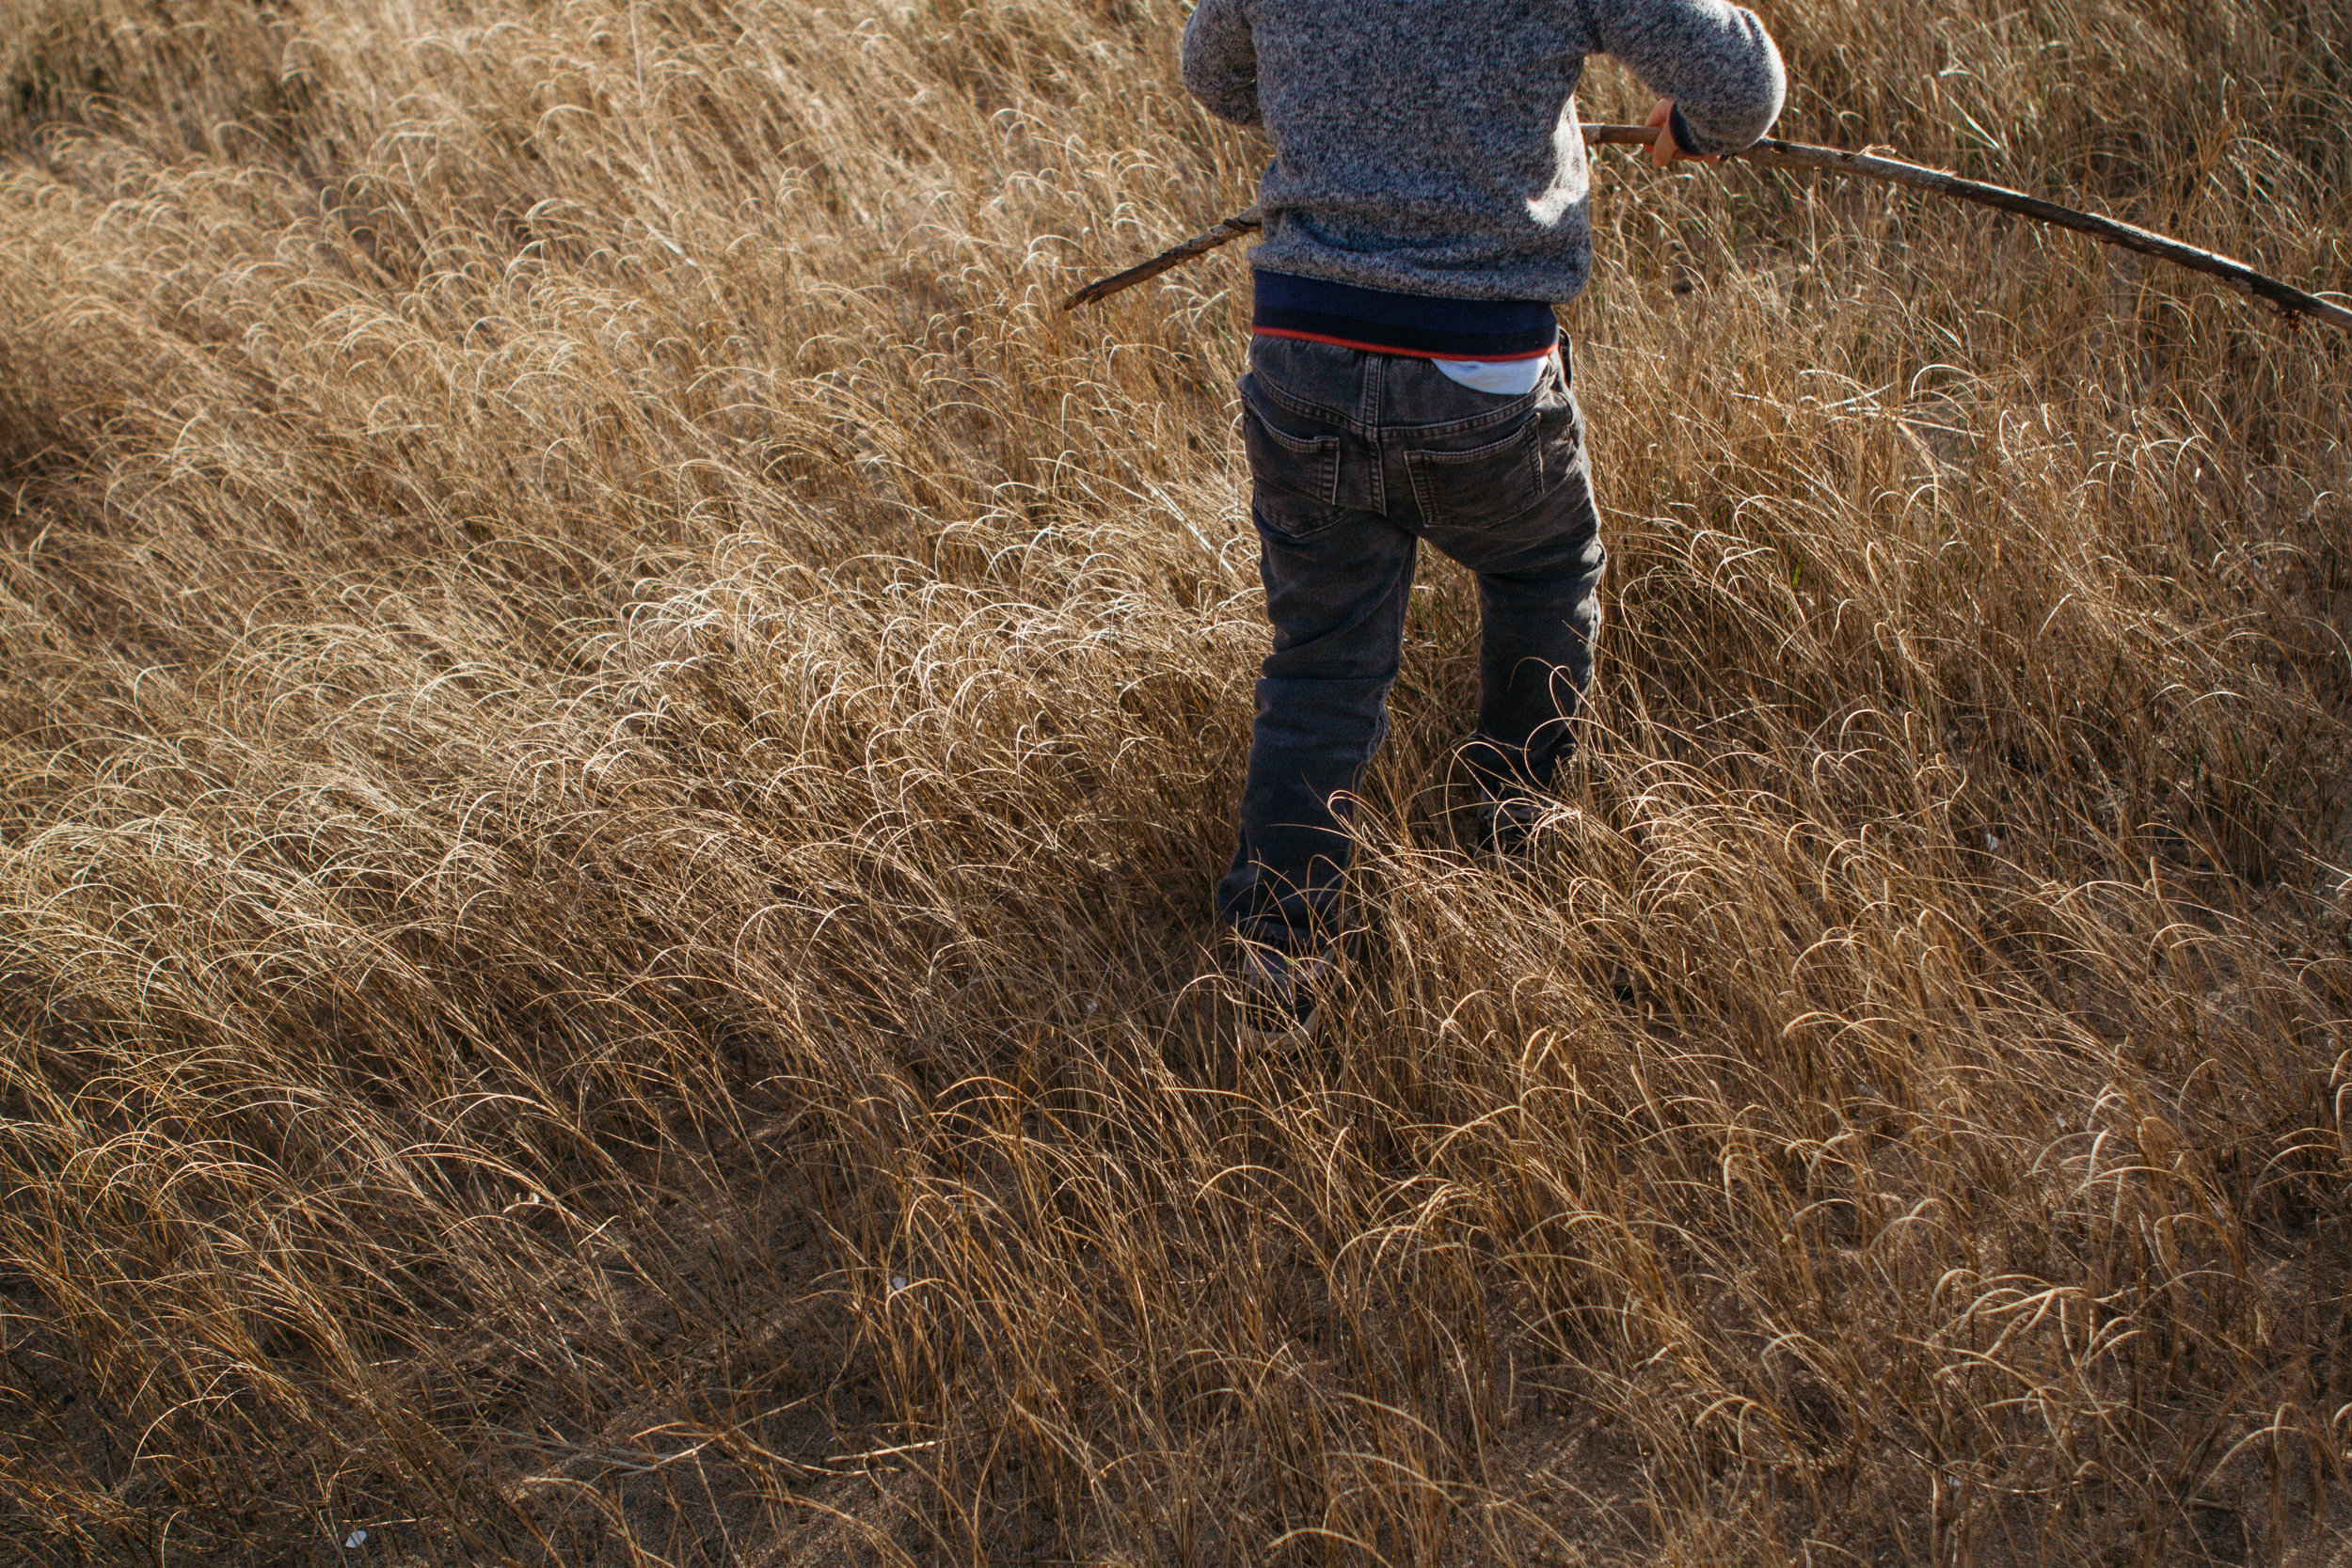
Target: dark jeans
{"x":1354,"y":458}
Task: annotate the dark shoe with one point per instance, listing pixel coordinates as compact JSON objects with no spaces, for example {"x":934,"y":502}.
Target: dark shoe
{"x":1280,"y":991}
{"x":1506,"y":826}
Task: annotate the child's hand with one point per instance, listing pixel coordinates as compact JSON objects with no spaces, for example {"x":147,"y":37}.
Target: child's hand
{"x":1663,"y":151}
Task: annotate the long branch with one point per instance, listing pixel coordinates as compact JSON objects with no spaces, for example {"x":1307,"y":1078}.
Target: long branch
{"x":1771,"y":153}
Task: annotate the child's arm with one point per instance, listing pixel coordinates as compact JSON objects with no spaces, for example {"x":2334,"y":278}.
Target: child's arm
{"x":1222,"y":62}
{"x":1712,"y":59}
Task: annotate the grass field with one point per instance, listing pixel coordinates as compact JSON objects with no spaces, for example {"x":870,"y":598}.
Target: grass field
{"x":614,"y":738}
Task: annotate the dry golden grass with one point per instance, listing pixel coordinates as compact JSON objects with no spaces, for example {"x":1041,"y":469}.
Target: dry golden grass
{"x":615,"y":738}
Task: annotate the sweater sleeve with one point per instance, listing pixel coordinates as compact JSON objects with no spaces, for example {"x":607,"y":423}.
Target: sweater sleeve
{"x":1714,"y":59}
{"x":1222,"y":62}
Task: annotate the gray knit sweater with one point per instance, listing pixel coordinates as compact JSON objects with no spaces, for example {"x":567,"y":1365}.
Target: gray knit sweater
{"x":1430,"y":147}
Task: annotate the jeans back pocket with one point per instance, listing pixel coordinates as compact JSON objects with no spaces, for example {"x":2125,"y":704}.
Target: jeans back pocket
{"x":1307,"y":467}
{"x":1482,"y":484}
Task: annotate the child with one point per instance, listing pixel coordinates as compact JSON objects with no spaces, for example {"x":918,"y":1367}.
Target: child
{"x":1425,"y":208}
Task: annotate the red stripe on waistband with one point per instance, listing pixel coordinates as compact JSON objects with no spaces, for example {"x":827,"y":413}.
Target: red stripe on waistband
{"x":1407,"y":353}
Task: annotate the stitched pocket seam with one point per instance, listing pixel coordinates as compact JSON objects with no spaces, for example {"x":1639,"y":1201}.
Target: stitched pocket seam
{"x":1312,"y":456}
{"x":1522,"y":443}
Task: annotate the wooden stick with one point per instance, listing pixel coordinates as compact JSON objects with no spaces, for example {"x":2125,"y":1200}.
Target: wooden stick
{"x":2291,"y":302}
{"x":1199,"y":245}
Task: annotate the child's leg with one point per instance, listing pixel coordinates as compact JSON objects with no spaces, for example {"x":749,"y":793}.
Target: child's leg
{"x":1537,"y":621}
{"x":1335,"y":595}
{"x":1531,"y":533}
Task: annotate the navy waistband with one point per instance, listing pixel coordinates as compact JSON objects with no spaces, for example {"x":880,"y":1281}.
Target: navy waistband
{"x":1288,"y":305}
